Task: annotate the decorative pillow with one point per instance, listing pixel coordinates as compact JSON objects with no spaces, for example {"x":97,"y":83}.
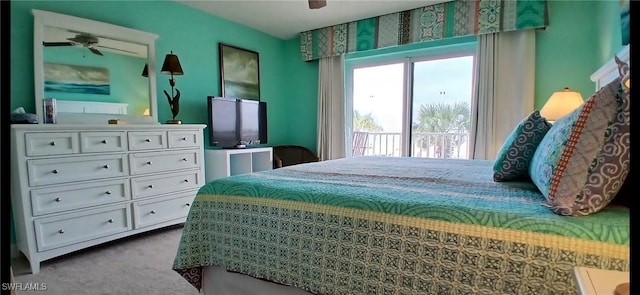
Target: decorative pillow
{"x":583,"y":160}
{"x":512,"y":161}
{"x":623,"y":197}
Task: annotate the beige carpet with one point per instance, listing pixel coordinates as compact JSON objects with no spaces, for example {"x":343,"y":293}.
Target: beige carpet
{"x":135,"y":265}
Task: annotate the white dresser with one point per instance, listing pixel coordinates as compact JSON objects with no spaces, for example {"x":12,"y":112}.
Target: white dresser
{"x":77,"y":186}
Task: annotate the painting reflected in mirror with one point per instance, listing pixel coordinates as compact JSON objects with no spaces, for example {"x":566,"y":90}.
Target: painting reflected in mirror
{"x":88,"y":73}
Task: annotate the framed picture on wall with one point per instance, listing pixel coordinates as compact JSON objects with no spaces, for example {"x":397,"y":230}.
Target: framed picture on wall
{"x":239,"y":72}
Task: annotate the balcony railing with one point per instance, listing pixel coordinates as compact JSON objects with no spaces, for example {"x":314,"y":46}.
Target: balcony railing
{"x":423,"y":144}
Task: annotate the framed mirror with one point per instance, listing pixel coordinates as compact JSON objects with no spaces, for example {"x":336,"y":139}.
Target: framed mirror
{"x":95,"y":71}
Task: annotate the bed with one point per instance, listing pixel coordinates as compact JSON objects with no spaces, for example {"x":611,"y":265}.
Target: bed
{"x":386,"y":225}
{"x":377,"y":225}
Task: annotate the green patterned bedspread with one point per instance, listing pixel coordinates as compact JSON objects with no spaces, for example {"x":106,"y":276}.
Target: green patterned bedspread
{"x":449,"y":190}
{"x":382,"y":225}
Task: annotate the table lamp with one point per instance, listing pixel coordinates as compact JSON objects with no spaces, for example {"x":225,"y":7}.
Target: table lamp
{"x":171,"y":66}
{"x":561,"y":103}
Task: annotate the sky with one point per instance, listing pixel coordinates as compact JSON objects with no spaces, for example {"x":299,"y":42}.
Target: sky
{"x":378,"y":89}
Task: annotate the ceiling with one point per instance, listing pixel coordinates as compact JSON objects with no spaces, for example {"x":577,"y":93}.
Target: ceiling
{"x":286,"y":18}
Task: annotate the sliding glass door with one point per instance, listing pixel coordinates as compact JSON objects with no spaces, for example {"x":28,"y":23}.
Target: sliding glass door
{"x":441,"y":108}
{"x":418,"y":106}
{"x":378,"y":97}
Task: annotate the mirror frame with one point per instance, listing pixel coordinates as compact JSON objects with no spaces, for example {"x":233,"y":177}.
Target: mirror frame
{"x":46,"y":18}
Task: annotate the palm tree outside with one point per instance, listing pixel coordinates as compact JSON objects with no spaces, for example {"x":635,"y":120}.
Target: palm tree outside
{"x":383,"y":105}
{"x":442,"y":118}
{"x":365,"y":122}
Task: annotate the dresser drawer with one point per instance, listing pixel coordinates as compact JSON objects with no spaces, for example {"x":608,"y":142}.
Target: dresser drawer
{"x":183,"y":139}
{"x":142,"y":163}
{"x":96,"y":142}
{"x":61,"y":170}
{"x":147,"y":140}
{"x":150,"y":212}
{"x":58,"y":231}
{"x":51,"y":143}
{"x":166,"y":183}
{"x":69,"y":197}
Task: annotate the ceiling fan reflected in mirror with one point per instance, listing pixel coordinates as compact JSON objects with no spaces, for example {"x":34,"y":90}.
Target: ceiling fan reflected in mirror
{"x":316,"y":4}
{"x":86,"y":40}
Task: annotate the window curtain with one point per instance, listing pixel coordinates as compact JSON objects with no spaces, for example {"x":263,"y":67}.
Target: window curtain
{"x":434,"y":22}
{"x":504,"y":90}
{"x":331,"y":108}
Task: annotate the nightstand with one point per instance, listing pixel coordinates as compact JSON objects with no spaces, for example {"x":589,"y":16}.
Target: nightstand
{"x":593,"y":281}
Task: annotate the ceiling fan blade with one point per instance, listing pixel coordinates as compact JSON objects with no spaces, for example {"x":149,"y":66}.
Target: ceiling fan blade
{"x":95,"y":51}
{"x":57,"y":43}
{"x":112,"y":48}
{"x":84,"y":39}
{"x":315,"y":4}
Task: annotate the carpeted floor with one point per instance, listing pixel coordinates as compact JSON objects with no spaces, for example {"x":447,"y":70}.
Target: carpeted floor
{"x":139,"y":264}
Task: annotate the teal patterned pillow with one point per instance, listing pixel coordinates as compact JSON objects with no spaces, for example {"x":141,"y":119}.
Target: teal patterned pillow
{"x":512,"y":161}
{"x":583,"y":161}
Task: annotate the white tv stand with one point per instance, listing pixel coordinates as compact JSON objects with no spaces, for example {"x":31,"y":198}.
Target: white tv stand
{"x":228,"y":162}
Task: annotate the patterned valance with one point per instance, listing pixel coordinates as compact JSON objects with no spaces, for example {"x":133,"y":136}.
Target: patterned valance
{"x":445,"y":20}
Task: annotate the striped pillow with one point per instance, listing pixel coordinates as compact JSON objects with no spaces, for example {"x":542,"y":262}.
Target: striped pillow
{"x":583,"y":160}
{"x":512,"y":161}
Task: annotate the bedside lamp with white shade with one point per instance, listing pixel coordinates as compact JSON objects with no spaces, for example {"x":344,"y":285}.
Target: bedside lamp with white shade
{"x":561,"y":103}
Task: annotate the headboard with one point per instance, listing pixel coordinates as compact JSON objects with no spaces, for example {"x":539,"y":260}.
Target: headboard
{"x":609,"y":71}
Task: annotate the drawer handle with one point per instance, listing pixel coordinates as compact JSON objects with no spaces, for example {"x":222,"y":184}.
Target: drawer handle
{"x":153,"y":212}
{"x":186,"y":180}
{"x":184,"y":159}
{"x":108,"y":192}
{"x":184,"y":138}
{"x":149,"y":163}
{"x":150,"y":186}
{"x":110,"y":220}
{"x":61,"y":231}
{"x":55,"y":171}
{"x":58,"y":200}
{"x":104,"y":141}
{"x":147,"y":140}
{"x":52,"y":143}
{"x":106,"y":166}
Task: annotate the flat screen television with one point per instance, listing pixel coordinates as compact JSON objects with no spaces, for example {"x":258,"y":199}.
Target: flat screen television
{"x":236,"y":123}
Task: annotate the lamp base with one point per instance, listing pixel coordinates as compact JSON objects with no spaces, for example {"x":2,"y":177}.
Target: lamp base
{"x":174,"y":122}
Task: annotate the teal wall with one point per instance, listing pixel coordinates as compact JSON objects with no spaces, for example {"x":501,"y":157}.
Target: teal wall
{"x":299,"y":111}
{"x":608,"y":30}
{"x":581,"y":36}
